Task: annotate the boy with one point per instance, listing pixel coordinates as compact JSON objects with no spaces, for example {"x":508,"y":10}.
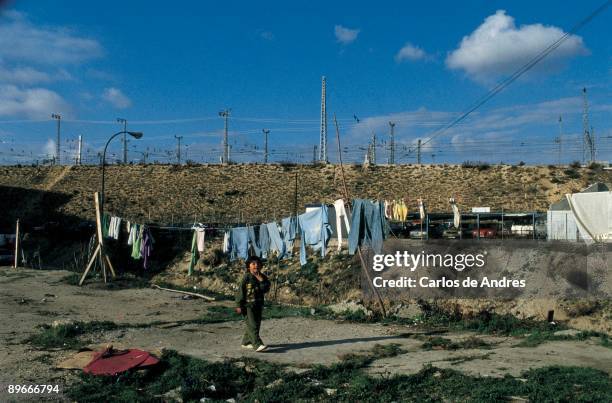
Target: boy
{"x":250,"y":300}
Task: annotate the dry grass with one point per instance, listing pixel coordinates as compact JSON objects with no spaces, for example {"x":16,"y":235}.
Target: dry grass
{"x":241,"y":193}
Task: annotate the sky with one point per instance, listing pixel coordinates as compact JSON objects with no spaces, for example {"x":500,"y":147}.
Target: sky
{"x":169,"y":68}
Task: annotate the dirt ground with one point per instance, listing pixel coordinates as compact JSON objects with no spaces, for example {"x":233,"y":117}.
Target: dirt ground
{"x":29,"y":298}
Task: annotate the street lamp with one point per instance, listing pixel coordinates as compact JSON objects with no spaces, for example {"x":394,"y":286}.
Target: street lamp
{"x":136,"y":135}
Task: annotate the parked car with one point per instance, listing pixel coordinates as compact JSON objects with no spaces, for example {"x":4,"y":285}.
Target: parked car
{"x":418,"y":234}
{"x":522,"y":230}
{"x":484,"y":233}
{"x":451,"y":233}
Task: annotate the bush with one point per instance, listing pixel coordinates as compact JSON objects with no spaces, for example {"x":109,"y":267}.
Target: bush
{"x":480,"y":165}
{"x":575,"y":164}
{"x":572,"y":173}
{"x":594,"y":166}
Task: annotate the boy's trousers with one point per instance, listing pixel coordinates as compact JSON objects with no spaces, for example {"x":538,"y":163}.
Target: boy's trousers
{"x":253,"y":323}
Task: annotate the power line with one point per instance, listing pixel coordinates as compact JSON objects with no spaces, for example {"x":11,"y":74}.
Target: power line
{"x":526,"y":67}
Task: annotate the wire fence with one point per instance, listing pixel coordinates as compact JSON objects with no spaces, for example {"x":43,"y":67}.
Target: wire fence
{"x":536,"y":151}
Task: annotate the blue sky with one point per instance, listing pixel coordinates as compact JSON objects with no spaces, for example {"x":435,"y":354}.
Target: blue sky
{"x":169,"y":68}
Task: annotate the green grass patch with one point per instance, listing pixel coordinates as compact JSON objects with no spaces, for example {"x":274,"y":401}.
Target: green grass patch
{"x":441,"y":343}
{"x":538,"y":337}
{"x":218,"y":314}
{"x":274,"y":311}
{"x":465,"y":358}
{"x":483,"y":322}
{"x":387,"y":350}
{"x":191,"y":379}
{"x":71,"y":279}
{"x":67,"y":336}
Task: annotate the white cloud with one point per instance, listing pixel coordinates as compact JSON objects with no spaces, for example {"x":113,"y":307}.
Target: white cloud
{"x":49,"y":149}
{"x":497,"y":47}
{"x":23,"y":75}
{"x":410,"y":52}
{"x":116,"y":98}
{"x":267,"y":35}
{"x":345,"y":35}
{"x":27,"y":75}
{"x":33,"y":103}
{"x":22,"y":41}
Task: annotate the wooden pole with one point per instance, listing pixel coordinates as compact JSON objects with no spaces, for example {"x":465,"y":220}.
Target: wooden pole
{"x":100,"y":236}
{"x":17,"y":245}
{"x":193,"y":294}
{"x":346,"y":195}
{"x":99,"y":251}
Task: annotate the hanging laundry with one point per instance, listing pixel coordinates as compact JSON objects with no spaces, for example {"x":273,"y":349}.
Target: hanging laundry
{"x":114,"y":227}
{"x":226,"y":242}
{"x":146,"y":246}
{"x":403,"y":210}
{"x":129,"y":226}
{"x":254,"y":240}
{"x":368,"y":225}
{"x":111,"y":223}
{"x":195,"y":254}
{"x":421,"y":209}
{"x":105,"y":224}
{"x":133,"y":233}
{"x":137,"y":241}
{"x":396,"y":211}
{"x":200,"y":235}
{"x":264,"y":241}
{"x":341,"y":212}
{"x":388,"y":209}
{"x":289,"y":233}
{"x":456,"y":214}
{"x":276,"y":241}
{"x":239,"y":243}
{"x":314,"y":231}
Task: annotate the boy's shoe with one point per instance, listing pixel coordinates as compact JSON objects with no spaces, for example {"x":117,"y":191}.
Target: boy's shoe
{"x":261,"y":348}
{"x":249,"y":346}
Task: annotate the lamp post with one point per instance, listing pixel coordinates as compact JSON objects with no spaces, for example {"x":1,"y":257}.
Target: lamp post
{"x":58,"y":118}
{"x":136,"y":135}
{"x":124,"y":122}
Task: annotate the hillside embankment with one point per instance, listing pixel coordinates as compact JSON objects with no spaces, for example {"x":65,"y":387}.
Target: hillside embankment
{"x":254,"y":193}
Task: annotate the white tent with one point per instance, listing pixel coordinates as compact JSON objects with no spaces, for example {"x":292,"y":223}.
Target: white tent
{"x":561,"y":222}
{"x":593,"y":215}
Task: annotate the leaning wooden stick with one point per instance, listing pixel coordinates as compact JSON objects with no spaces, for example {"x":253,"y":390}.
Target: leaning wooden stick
{"x":193,"y":294}
{"x":346,"y":195}
{"x":17,"y":245}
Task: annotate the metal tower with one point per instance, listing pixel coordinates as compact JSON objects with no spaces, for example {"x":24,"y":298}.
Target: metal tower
{"x":373,"y":150}
{"x":588,"y":145}
{"x":323,"y":137}
{"x":392,"y":142}
{"x":266,"y":132}
{"x":559,"y":140}
{"x":79,"y":150}
{"x":225,"y":115}
{"x":125,"y":152}
{"x":58,"y":118}
{"x":178,"y":149}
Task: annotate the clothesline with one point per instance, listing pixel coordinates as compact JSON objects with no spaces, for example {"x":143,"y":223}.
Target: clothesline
{"x":368,"y":226}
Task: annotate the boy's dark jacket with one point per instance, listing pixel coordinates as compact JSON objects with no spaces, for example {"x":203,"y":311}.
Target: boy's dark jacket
{"x":251,"y":291}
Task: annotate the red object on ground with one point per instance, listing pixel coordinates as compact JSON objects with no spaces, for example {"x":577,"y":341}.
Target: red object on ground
{"x":113,"y":362}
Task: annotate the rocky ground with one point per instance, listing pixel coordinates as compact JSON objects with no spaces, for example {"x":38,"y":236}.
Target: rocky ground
{"x":155,"y":320}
